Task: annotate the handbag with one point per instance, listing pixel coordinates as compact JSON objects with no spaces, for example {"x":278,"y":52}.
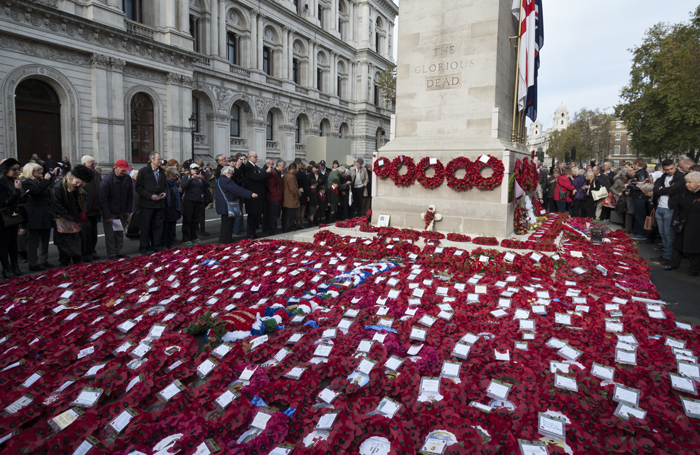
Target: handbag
{"x":609,"y":201}
{"x":600,"y":194}
{"x":621,"y":206}
{"x":66,"y":226}
{"x":233,"y":207}
{"x":12,"y":216}
{"x":563,"y":194}
{"x":649,"y":223}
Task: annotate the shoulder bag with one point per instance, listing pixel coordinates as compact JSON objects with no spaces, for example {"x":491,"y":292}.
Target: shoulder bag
{"x":12,"y":216}
{"x":600,"y":194}
{"x":609,"y":201}
{"x":233,"y":207}
{"x":66,"y":226}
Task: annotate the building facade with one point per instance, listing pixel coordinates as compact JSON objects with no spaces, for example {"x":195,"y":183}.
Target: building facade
{"x":538,"y":137}
{"x":118,"y":79}
{"x":620,"y":150}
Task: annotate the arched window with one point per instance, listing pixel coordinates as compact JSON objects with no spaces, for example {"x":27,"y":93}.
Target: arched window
{"x":295,"y":70}
{"x":319,"y":81}
{"x":297,"y":132}
{"x":562,"y":122}
{"x":133,"y":10}
{"x":142,"y":131}
{"x":376,"y":95}
{"x":195,"y":112}
{"x":235,"y":121}
{"x":232,"y":48}
{"x":268,"y":130}
{"x":320,"y":129}
{"x":38,"y":120}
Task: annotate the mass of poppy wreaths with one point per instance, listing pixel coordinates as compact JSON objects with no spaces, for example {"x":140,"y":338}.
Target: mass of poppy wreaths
{"x":351,"y":345}
{"x":385,"y":168}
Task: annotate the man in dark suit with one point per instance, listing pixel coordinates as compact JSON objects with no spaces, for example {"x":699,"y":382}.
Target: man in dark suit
{"x":254,"y":180}
{"x":151,"y":188}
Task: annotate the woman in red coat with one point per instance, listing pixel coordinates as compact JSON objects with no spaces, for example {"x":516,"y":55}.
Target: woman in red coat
{"x":564,"y":190}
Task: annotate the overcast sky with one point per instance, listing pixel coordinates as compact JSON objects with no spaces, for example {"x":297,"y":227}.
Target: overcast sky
{"x":585,"y":60}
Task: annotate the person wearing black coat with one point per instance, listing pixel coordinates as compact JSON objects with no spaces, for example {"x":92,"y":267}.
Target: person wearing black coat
{"x":303,"y":184}
{"x":37,"y":188}
{"x":172,"y":208}
{"x":116,"y":201}
{"x":194,"y":186}
{"x":667,"y":192}
{"x":639,"y":201}
{"x":687,"y":241}
{"x":226,"y":191}
{"x":151,"y":189}
{"x":92,"y":210}
{"x":68,"y":205}
{"x":10,"y":194}
{"x":592,"y":184}
{"x":254,"y":181}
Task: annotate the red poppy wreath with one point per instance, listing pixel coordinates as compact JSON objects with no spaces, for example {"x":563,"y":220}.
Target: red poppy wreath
{"x":457,"y":184}
{"x":403,"y":179}
{"x":487,"y":183}
{"x":434,"y":181}
{"x":383,"y":167}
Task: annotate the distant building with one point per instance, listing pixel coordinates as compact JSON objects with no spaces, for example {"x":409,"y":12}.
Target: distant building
{"x":538,"y":137}
{"x":620,"y":150}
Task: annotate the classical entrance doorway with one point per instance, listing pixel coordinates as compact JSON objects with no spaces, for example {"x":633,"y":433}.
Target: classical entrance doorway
{"x":38,"y":121}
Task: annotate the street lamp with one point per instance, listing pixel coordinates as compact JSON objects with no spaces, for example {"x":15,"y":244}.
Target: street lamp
{"x":193,"y":126}
{"x":639,"y":139}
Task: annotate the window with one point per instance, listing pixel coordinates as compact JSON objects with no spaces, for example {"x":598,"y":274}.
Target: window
{"x":629,"y":137}
{"x":268,"y":130}
{"x":320,"y":129}
{"x":562,"y":114}
{"x":295,"y":71}
{"x":195,"y":112}
{"x":296,"y":6}
{"x":267,"y":61}
{"x":562,"y":122}
{"x":376,"y":95}
{"x":340,"y":87}
{"x":133,"y":10}
{"x":194,"y":31}
{"x":232,"y":48}
{"x":340,"y":27}
{"x":618,"y":136}
{"x":319,"y":77}
{"x":320,"y":15}
{"x":142,"y":131}
{"x":235,"y":121}
{"x":617,"y":150}
{"x":297,"y":132}
{"x":377,"y":39}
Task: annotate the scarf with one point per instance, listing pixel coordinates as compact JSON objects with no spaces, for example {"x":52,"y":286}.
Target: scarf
{"x":173,"y":186}
{"x":322,"y":196}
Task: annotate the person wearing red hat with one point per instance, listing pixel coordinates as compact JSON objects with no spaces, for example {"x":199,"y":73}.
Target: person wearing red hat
{"x":116,"y":200}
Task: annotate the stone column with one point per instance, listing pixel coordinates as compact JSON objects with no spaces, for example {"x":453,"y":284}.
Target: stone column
{"x":252,"y":47}
{"x":362,"y":96}
{"x":116,"y":107}
{"x":286,"y":62}
{"x":314,"y":52}
{"x":112,"y":3}
{"x":351,"y":81}
{"x":222,"y":28}
{"x":260,"y":42}
{"x":214,"y":32}
{"x":173,"y":118}
{"x":332,"y":73}
{"x":363,"y":33}
{"x":183,"y":7}
{"x":290,"y":56}
{"x":351,"y":22}
{"x":249,"y":57}
{"x":170,"y":10}
{"x":333,"y":16}
{"x":100,"y":107}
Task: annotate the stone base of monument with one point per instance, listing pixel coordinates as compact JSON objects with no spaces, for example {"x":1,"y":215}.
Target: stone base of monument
{"x":474,"y":212}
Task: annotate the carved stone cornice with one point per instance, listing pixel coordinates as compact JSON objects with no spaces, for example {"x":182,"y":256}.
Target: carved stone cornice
{"x":43,"y":50}
{"x":218,"y":117}
{"x":43,"y":19}
{"x":145,"y":74}
{"x":117,"y":64}
{"x":257,"y":123}
{"x":99,"y":61}
{"x":287,"y":127}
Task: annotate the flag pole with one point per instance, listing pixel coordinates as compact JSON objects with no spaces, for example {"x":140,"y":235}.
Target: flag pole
{"x":517,"y":70}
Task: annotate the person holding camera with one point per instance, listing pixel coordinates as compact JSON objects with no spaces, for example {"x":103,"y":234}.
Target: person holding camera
{"x":686,"y":225}
{"x":151,"y":189}
{"x":640,"y":202}
{"x":37,"y":187}
{"x":194,"y":186}
{"x":10,"y":194}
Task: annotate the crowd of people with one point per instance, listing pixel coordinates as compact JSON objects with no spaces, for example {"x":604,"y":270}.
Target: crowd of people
{"x":634,"y":198}
{"x":146,"y":204}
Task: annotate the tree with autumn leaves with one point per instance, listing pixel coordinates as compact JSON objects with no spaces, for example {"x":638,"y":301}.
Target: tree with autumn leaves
{"x":663,"y":91}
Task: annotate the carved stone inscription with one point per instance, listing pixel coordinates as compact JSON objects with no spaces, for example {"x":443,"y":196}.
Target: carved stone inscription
{"x":442,"y":68}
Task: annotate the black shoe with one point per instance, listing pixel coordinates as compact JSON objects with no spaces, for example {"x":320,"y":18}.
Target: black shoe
{"x":204,"y":233}
{"x":659,"y":259}
{"x":87,"y":259}
{"x":668,"y":267}
{"x":48,"y":265}
{"x":665,"y":262}
{"x":693,"y":273}
{"x":95,"y":256}
{"x":123,"y":256}
{"x":7,"y":273}
{"x":36,"y":268}
{"x":16,"y":270}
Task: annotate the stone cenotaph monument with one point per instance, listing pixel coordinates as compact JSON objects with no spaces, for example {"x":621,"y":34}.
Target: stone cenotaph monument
{"x":454,"y":97}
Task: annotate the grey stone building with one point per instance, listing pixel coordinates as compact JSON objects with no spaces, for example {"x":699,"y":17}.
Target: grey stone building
{"x":118,"y":79}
